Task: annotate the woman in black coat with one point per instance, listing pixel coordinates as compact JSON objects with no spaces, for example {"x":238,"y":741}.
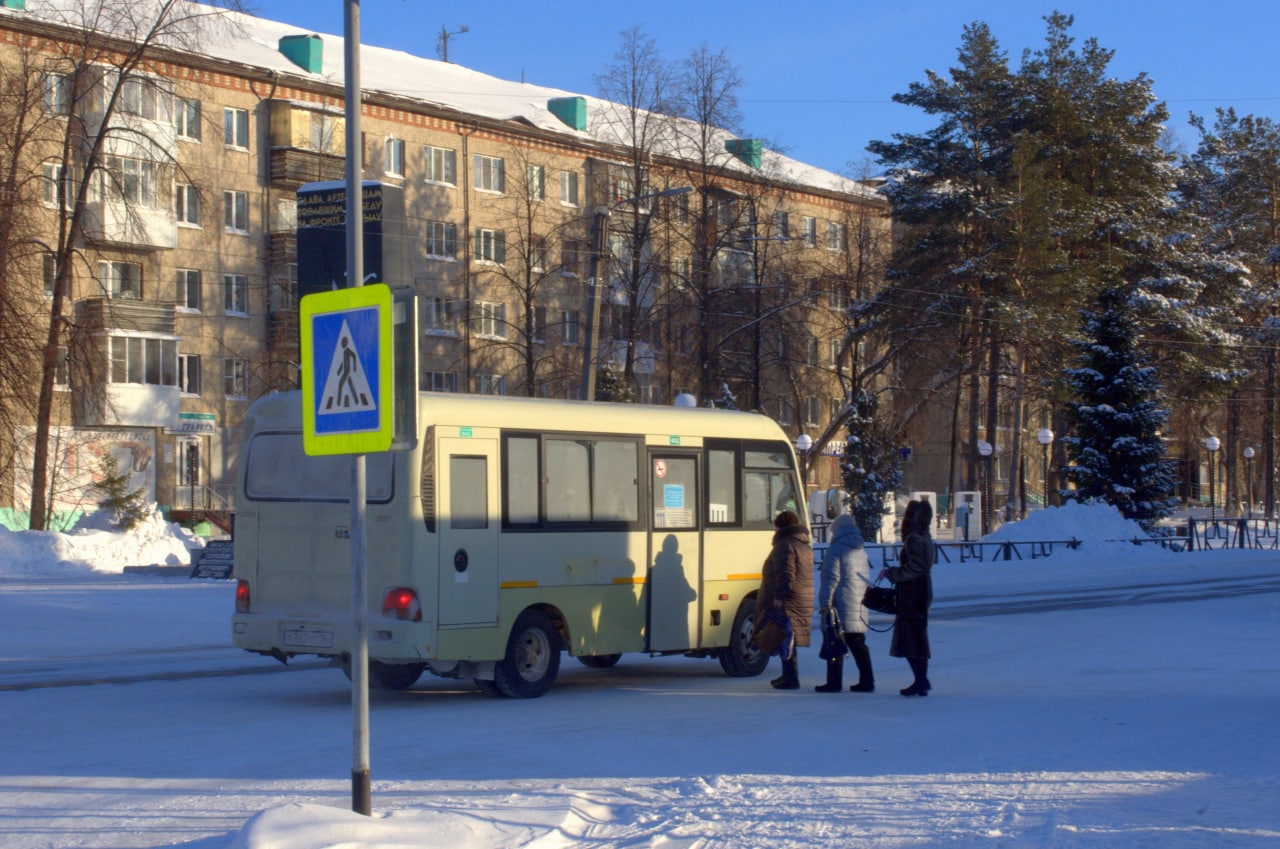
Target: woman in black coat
{"x":915,"y":593}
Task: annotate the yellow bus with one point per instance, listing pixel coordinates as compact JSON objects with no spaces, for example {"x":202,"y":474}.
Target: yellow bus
{"x":516,"y":530}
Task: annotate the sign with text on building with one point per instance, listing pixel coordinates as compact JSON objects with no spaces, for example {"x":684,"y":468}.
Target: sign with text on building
{"x":348,"y":363}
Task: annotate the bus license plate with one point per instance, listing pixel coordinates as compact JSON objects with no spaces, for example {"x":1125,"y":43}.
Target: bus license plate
{"x":308,"y":639}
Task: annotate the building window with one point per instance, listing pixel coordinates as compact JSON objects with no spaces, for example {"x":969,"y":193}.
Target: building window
{"x":572,"y":254}
{"x":49,"y":271}
{"x":235,"y":289}
{"x":235,"y":377}
{"x":834,"y":347}
{"x":536,"y":181}
{"x":235,"y":212}
{"x":569,"y":188}
{"x":811,"y":351}
{"x":570,"y":327}
{"x":440,"y":381}
{"x":810,"y":232}
{"x":491,"y":384}
{"x":539,"y":325}
{"x":394,"y":164}
{"x":837,"y":298}
{"x":488,"y":173}
{"x":440,"y":165}
{"x":188,"y":289}
{"x":781,"y":225}
{"x":53,"y":186}
{"x":439,"y":316}
{"x":120,"y":279}
{"x":680,"y":208}
{"x":187,"y":204}
{"x":142,"y":97}
{"x":189,"y":374}
{"x":127,"y":180}
{"x":811,"y":411}
{"x":680,"y":272}
{"x":136,"y":359}
{"x":442,"y":240}
{"x":835,"y":236}
{"x":491,"y":245}
{"x":538,"y":253}
{"x":235,"y":128}
{"x":785,"y":414}
{"x":56,"y":94}
{"x":490,"y":320}
{"x":325,"y":133}
{"x":186,"y":118}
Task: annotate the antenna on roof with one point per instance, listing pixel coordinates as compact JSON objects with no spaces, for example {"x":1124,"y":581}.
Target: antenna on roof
{"x":442,"y":42}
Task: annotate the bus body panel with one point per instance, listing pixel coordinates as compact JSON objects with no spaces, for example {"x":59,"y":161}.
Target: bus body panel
{"x":667,"y":581}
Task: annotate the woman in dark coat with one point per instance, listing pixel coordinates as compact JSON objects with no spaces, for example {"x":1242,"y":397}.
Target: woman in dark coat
{"x":915,"y":593}
{"x":786,"y":586}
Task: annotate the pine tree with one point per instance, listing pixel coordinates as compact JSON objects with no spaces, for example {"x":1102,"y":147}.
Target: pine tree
{"x":128,"y":509}
{"x":726,"y":401}
{"x":872,"y":466}
{"x":611,"y":385}
{"x":1115,"y":450}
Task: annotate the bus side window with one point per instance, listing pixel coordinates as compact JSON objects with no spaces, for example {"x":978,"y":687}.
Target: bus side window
{"x":722,"y":487}
{"x":468,"y":492}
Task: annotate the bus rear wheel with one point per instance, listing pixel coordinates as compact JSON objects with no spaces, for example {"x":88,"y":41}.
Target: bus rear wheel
{"x":740,"y":659}
{"x":599,"y":661}
{"x":533,"y":657}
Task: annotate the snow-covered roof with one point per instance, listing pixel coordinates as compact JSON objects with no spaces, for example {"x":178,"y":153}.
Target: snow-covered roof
{"x":255,"y":42}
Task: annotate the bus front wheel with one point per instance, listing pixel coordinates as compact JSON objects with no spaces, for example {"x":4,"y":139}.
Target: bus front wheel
{"x":740,"y":659}
{"x":533,"y":657}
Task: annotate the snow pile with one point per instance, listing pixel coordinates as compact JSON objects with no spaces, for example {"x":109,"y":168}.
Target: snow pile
{"x":94,"y":547}
{"x":1085,"y":522}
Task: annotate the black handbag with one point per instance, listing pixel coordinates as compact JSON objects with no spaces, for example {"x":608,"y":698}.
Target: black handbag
{"x":881,"y":599}
{"x":833,"y":644}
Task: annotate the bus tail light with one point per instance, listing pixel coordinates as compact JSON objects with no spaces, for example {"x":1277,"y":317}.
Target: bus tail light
{"x":242,"y":596}
{"x":401,"y":603}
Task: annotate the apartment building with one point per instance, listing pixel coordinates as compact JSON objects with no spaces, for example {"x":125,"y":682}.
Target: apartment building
{"x":724,"y":275}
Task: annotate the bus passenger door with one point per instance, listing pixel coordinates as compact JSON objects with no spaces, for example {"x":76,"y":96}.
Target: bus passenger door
{"x":468,"y":528}
{"x":675,"y":551}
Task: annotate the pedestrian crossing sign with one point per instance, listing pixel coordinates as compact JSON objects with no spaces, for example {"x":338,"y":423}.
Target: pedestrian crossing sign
{"x":347,"y":394}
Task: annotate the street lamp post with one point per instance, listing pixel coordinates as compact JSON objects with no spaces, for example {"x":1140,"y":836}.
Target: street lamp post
{"x":1248,"y":473}
{"x":1212,"y":444}
{"x":985,"y":450}
{"x":804,"y":442}
{"x":599,"y":229}
{"x":1045,"y":437}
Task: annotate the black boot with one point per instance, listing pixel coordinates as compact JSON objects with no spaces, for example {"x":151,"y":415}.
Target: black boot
{"x":790,"y":679}
{"x":857,"y":644}
{"x":835,"y":676}
{"x":919,"y":668}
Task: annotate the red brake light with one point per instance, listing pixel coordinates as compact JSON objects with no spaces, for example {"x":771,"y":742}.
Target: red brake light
{"x":402,"y":604}
{"x":242,"y":596}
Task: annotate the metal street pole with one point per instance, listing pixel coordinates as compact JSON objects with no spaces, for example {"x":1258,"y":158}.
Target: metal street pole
{"x":361,"y":793}
{"x":599,"y":226}
{"x":1248,"y":471}
{"x":1212,"y":444}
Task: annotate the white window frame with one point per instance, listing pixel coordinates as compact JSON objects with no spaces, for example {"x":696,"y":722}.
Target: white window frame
{"x":235,"y":128}
{"x":535,"y":178}
{"x":235,"y":212}
{"x":49,"y":273}
{"x":571,"y":327}
{"x":143,"y":97}
{"x":393,"y":157}
{"x":189,"y":376}
{"x":235,"y":294}
{"x":491,"y":246}
{"x":186,"y":205}
{"x":188,"y":285}
{"x":489,"y":173}
{"x":131,"y":357}
{"x":54,"y":186}
{"x":439,"y":316}
{"x":810,"y":232}
{"x":489,"y":320}
{"x":837,"y":237}
{"x":440,"y":165}
{"x":115,"y":283}
{"x":440,"y":381}
{"x":442,"y":240}
{"x":811,"y":411}
{"x":186,"y":118}
{"x":56,"y":95}
{"x":491,"y":384}
{"x":235,"y":378}
{"x":569,"y":188}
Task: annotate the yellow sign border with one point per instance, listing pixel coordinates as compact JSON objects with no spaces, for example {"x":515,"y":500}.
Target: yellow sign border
{"x":345,"y":300}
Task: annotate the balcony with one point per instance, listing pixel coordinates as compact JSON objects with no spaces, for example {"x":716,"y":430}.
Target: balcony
{"x":292,"y":166}
{"x":126,"y":314}
{"x":130,"y":225}
{"x":283,"y":330}
{"x":282,"y":249}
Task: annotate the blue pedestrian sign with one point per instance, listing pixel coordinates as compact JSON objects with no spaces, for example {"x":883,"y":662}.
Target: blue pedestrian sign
{"x":346,"y":341}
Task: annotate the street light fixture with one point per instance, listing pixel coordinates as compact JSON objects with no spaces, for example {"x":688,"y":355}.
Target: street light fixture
{"x":1045,"y":437}
{"x":599,"y":227}
{"x":804,"y":442}
{"x":1212,"y":444}
{"x":985,"y":450}
{"x":1248,"y":473}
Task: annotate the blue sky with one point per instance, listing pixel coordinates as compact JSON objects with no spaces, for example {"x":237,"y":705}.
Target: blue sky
{"x":820,"y":76}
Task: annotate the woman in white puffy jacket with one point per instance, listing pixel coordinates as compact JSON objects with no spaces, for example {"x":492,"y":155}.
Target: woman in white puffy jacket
{"x":844,"y":579}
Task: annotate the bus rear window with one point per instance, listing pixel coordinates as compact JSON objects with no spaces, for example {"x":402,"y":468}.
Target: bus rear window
{"x":280,"y":470}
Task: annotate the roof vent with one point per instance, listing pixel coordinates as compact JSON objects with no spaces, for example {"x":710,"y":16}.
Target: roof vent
{"x":305,"y":51}
{"x":14,"y":4}
{"x":748,"y":150}
{"x":571,"y":110}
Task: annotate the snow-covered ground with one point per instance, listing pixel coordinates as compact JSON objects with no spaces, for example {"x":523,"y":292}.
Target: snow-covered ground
{"x":1132,"y":703}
